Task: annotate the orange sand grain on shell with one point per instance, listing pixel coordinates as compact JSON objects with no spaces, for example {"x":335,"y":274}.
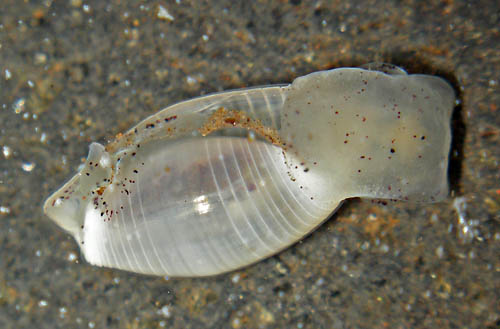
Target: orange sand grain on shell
{"x":223,"y":118}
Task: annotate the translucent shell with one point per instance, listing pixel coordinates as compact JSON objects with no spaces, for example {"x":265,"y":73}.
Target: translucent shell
{"x":218,"y":182}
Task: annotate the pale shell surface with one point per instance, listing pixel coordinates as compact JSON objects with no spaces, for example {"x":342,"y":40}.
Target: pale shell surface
{"x":218,"y":182}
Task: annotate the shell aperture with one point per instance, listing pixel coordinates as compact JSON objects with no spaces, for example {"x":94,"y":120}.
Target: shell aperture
{"x":218,"y":182}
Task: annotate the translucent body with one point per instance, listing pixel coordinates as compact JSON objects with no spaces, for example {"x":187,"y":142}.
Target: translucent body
{"x":219,"y":182}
